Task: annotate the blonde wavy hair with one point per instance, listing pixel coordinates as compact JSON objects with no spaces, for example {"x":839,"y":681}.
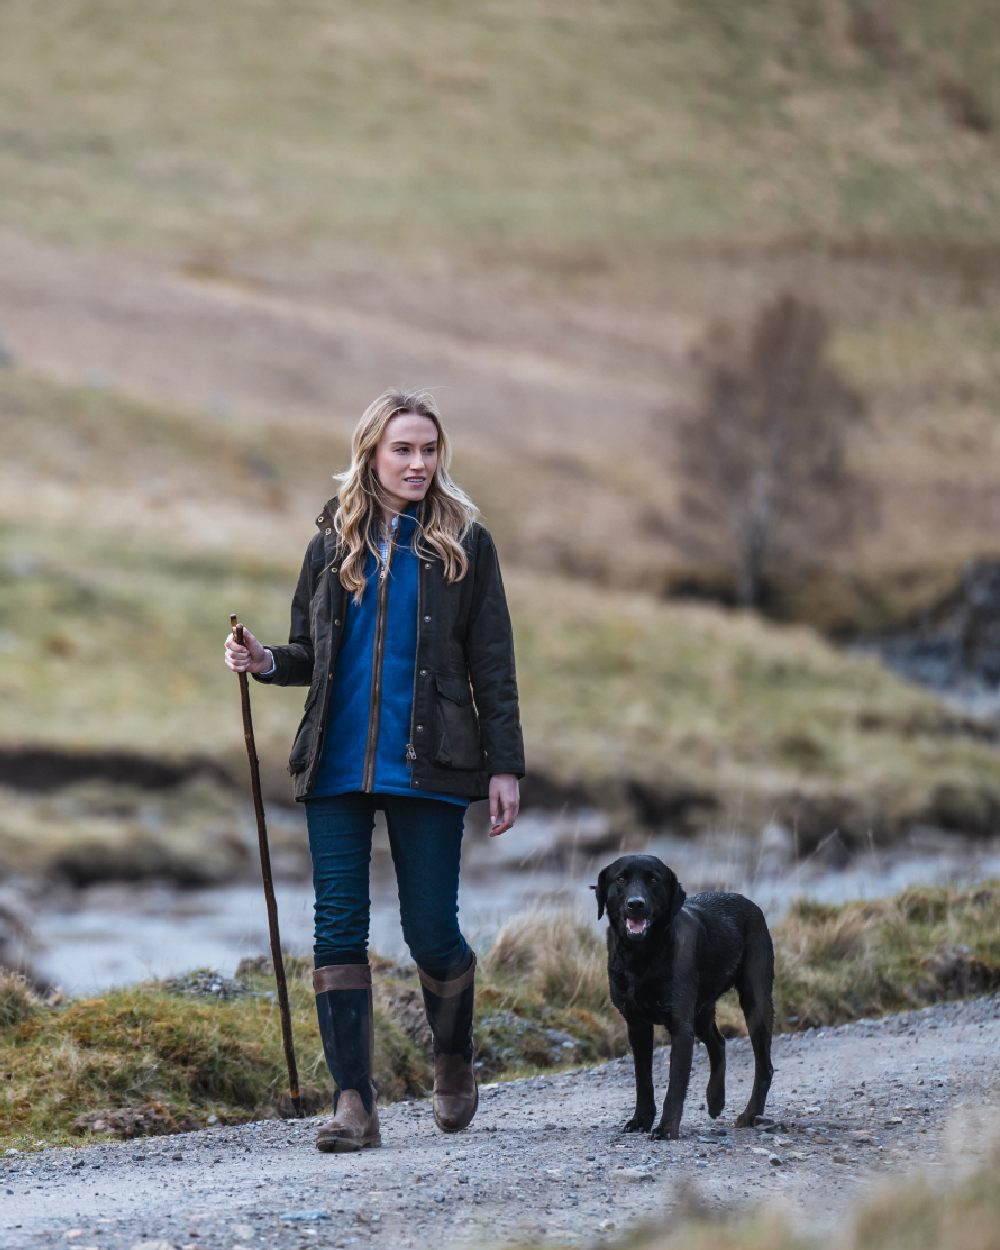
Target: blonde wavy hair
{"x":444,"y":518}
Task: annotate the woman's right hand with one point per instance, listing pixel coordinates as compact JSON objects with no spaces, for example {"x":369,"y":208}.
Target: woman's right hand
{"x":252,"y":657}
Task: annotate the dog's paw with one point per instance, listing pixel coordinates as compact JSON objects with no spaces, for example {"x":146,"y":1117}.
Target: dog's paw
{"x":638,"y":1124}
{"x":666,"y":1132}
{"x":716,"y":1100}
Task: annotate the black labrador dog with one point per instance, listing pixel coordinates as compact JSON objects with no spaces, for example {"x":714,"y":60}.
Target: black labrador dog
{"x":670,"y":957}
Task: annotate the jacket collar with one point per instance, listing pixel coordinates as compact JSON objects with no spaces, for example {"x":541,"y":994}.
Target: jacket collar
{"x":324,"y":521}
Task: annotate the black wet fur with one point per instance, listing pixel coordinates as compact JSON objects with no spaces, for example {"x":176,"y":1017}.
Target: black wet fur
{"x":693,"y":950}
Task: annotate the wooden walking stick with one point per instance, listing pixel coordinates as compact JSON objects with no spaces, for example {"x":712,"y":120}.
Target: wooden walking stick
{"x":265,"y":872}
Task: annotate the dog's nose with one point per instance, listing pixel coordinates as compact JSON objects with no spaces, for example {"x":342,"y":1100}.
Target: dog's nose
{"x":635,"y":905}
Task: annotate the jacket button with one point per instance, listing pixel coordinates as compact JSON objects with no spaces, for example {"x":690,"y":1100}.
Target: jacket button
{"x":337,"y":621}
{"x":417,"y":784}
{"x":427,"y":564}
{"x":329,"y":677}
{"x":423,"y":672}
{"x":427,"y":620}
{"x":420,"y":729}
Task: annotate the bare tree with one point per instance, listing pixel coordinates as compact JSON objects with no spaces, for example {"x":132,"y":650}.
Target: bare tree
{"x":763,"y":452}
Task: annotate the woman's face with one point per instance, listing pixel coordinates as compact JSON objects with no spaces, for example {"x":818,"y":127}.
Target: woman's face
{"x":405,"y":459}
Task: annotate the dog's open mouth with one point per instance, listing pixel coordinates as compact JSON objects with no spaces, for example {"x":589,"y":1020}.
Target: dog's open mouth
{"x":636,"y":928}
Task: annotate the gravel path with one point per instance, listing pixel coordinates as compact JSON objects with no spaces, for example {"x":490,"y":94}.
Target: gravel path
{"x":542,"y":1159}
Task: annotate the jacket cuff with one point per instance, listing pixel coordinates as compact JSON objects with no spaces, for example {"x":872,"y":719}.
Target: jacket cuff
{"x":267,"y":676}
{"x":505,"y":768}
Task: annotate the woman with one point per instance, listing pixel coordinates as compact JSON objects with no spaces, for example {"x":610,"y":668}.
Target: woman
{"x":400,"y":628}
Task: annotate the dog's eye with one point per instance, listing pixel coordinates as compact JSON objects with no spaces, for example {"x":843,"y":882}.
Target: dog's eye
{"x":619,"y":880}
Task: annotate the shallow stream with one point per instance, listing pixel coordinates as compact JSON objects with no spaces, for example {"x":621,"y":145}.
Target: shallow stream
{"x":112,"y":935}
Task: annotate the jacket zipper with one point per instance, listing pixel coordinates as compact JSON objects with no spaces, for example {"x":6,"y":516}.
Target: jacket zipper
{"x":411,"y":751}
{"x":375,"y":698}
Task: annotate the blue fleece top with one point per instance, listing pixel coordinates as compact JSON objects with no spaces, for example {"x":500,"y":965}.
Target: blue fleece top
{"x":341,"y":768}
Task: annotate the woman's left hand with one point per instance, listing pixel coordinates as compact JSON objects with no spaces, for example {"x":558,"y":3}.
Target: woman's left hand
{"x":505,"y":802}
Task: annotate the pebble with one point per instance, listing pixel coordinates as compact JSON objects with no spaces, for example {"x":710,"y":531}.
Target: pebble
{"x":633,"y":1174}
{"x":303,"y":1217}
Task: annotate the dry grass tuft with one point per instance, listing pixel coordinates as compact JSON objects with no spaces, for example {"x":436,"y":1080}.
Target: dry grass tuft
{"x":916,"y":1215}
{"x":554,"y":954}
{"x":18,"y":998}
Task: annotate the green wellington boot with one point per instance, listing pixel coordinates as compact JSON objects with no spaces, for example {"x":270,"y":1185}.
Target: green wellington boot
{"x":344,"y":1011}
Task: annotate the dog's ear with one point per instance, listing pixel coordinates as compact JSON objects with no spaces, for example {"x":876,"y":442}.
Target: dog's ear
{"x":601,"y":890}
{"x":677,"y":893}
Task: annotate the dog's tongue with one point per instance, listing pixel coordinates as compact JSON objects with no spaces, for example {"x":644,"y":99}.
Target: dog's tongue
{"x":635,"y":926}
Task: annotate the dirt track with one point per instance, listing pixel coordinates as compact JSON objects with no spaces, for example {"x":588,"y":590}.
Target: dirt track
{"x":543,"y":1159}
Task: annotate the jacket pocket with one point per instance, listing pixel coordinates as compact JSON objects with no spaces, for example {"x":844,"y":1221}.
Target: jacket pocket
{"x":456,"y":726}
{"x":306,"y":732}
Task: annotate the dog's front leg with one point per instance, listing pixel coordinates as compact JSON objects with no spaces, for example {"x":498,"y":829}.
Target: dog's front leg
{"x":681,"y":1050}
{"x":640,"y":1038}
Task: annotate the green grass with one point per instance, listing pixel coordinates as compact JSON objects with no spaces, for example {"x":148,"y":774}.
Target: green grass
{"x":542,"y":1002}
{"x":766,"y":721}
{"x":628,"y":703}
{"x":127,"y":540}
{"x":584,"y":186}
{"x":130,"y":531}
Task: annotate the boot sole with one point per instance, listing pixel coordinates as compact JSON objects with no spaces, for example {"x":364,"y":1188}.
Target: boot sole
{"x":345,"y":1145}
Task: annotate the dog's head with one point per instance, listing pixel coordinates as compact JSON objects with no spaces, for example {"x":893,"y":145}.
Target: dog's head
{"x":639,"y":893}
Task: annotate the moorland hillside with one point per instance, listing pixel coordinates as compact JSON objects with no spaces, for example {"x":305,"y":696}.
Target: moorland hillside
{"x":225,"y":228}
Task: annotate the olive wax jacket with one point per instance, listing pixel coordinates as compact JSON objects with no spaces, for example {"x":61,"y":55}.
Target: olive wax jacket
{"x":465,"y":723}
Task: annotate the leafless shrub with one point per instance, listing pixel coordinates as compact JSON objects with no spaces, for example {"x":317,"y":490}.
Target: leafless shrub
{"x":965,"y":106}
{"x":763,"y":452}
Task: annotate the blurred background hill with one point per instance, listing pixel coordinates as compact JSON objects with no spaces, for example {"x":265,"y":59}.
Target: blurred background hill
{"x":225,"y":228}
